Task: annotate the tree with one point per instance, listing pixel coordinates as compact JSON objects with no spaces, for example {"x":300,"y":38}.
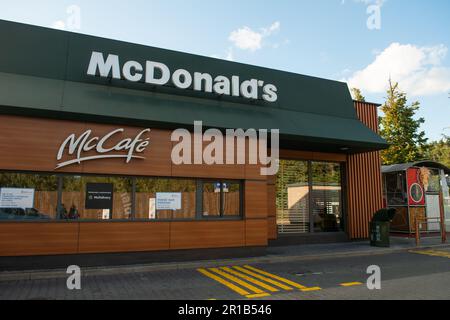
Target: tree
{"x":400,"y":129}
{"x":357,"y":95}
{"x":439,"y":151}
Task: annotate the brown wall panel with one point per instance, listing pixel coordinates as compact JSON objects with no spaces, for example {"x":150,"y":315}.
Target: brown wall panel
{"x":364,"y":189}
{"x":207,"y":234}
{"x":271,"y":201}
{"x":22,"y":238}
{"x":256,"y":232}
{"x":315,"y":156}
{"x":272,"y":228}
{"x":32,"y":144}
{"x":255,"y":199}
{"x":123,"y":236}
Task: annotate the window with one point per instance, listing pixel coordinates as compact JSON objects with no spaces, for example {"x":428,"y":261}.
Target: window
{"x":395,"y":186}
{"x":309,"y":197}
{"x":326,"y":196}
{"x":28,"y":196}
{"x":293,"y":197}
{"x":165,"y":199}
{"x":96,"y":198}
{"x":31,"y":196}
{"x":221,"y":199}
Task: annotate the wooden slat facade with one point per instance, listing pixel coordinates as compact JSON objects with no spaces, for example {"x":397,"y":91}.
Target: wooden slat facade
{"x":364,"y":184}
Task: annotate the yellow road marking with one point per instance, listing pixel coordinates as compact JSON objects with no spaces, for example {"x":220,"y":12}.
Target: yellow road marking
{"x":351,"y":284}
{"x":289,"y":282}
{"x":433,"y":253}
{"x":237,"y":280}
{"x":260,"y":295}
{"x":254,"y":281}
{"x":276,"y":283}
{"x":230,"y":285}
{"x":311,"y":289}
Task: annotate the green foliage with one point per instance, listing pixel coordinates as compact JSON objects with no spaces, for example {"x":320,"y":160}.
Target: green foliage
{"x":400,"y":129}
{"x":357,"y":95}
{"x":439,"y":151}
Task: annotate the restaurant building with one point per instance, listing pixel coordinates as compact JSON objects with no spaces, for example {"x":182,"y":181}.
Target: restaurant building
{"x":86,"y":161}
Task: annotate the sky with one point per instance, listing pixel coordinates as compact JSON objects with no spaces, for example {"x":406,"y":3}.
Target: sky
{"x":361,"y":42}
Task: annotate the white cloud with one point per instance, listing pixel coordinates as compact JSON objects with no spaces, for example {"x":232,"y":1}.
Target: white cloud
{"x":60,"y":25}
{"x":247,"y":39}
{"x":419,"y":70}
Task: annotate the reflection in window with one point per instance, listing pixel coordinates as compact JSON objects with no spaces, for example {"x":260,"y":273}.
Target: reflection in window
{"x":326,"y":196}
{"x":221,"y":199}
{"x":98,"y":205}
{"x":165,"y":199}
{"x":211,"y":199}
{"x":293,"y":197}
{"x":28,"y":196}
{"x":231,"y":199}
{"x":395,"y":185}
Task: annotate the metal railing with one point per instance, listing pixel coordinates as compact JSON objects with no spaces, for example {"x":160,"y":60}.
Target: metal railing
{"x":419,"y":222}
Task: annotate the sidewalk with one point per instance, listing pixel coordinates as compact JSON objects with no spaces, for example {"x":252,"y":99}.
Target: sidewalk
{"x":274,"y":254}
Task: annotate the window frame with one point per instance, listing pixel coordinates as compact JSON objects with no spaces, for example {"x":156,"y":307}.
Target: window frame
{"x":199,"y":198}
{"x":221,"y":215}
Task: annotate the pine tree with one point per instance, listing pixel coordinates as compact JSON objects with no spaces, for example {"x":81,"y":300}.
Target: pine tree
{"x":439,"y":151}
{"x":357,"y":95}
{"x":400,"y":129}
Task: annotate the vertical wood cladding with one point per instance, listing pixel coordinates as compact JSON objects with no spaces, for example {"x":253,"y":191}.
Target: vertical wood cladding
{"x":364,"y":189}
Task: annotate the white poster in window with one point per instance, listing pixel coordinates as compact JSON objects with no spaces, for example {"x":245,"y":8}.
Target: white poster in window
{"x":152,"y":208}
{"x":105,"y":214}
{"x":168,"y":201}
{"x":16,"y":198}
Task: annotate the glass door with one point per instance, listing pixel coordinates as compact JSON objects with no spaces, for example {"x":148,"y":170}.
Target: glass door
{"x":326,"y":197}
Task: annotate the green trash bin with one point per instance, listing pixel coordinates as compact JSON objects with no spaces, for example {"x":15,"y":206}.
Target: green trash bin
{"x":379,"y":234}
{"x":380,"y":228}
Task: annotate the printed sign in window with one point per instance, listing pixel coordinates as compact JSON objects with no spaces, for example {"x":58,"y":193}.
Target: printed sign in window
{"x":152,"y":208}
{"x":168,"y":201}
{"x":99,"y":195}
{"x":16,"y":198}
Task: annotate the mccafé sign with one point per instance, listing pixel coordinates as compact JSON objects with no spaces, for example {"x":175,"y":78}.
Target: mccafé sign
{"x":134,"y":71}
{"x":77,"y":147}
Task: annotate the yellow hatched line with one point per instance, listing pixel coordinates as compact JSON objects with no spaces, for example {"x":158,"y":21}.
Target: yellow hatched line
{"x":229,"y":285}
{"x":276,"y":283}
{"x":249,"y":279}
{"x":433,"y":253}
{"x":351,"y":284}
{"x":289,"y":282}
{"x":240,"y":282}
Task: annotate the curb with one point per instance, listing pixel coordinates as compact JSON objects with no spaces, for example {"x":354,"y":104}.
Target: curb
{"x":117,"y":270}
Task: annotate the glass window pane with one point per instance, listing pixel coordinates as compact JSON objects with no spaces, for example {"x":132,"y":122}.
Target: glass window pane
{"x":292,"y":197}
{"x":98,"y":204}
{"x":211,"y":199}
{"x":396,"y":189}
{"x":231,"y":199}
{"x":326,"y":197}
{"x":178,"y":193}
{"x":28,"y":196}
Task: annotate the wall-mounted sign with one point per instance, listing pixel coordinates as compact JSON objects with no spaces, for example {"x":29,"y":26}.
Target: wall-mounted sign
{"x":99,"y":196}
{"x":168,"y":201}
{"x":86,"y":142}
{"x":16,"y":198}
{"x":415,"y":188}
{"x":157,"y":73}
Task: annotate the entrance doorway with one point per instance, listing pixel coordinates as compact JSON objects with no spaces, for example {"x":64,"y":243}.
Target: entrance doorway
{"x":309,"y":197}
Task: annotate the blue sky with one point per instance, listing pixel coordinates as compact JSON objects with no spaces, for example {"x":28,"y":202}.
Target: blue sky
{"x":323,"y":38}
